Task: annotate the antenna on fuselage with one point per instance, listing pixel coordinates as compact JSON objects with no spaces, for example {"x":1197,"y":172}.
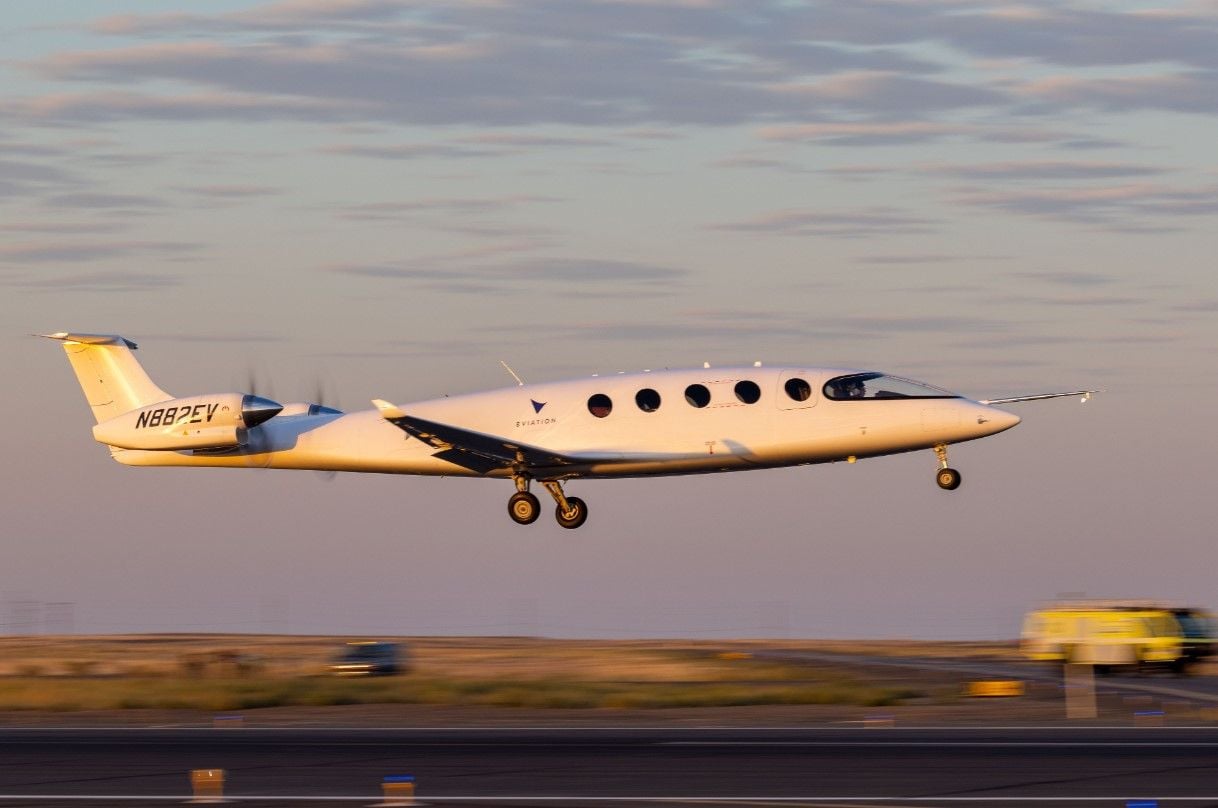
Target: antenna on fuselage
{"x":508,"y":368}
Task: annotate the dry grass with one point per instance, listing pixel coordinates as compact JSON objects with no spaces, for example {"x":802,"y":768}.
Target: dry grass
{"x":242,"y":672}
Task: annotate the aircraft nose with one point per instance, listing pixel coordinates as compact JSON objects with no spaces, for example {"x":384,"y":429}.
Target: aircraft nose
{"x":995,"y":420}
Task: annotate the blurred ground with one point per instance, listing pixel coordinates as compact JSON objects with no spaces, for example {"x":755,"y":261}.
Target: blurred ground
{"x":185,"y":680}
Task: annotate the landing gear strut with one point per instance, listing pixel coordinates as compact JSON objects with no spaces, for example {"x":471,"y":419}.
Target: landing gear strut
{"x":571,"y":512}
{"x":523,"y":507}
{"x":947,"y":478}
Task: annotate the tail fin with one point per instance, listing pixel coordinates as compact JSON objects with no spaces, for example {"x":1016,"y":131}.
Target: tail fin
{"x":111,"y":377}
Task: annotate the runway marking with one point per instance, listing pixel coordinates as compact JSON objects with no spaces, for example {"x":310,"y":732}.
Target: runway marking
{"x":834,"y":727}
{"x":787,"y":802}
{"x":962,"y":744}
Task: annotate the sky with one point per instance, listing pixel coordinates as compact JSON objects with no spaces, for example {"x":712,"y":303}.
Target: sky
{"x":357,"y":199}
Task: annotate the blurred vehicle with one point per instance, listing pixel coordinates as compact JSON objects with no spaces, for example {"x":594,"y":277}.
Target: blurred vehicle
{"x":1118,"y":634}
{"x":370,"y":659}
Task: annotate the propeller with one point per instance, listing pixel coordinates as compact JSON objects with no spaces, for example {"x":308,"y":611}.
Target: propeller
{"x":320,"y":407}
{"x":256,"y":383}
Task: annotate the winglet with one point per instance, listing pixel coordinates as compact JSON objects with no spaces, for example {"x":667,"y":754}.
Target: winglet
{"x":388,"y":411}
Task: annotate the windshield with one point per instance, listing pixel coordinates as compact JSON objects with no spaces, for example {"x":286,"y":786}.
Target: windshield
{"x":1195,"y":626}
{"x":364,"y":652}
{"x":861,"y":386}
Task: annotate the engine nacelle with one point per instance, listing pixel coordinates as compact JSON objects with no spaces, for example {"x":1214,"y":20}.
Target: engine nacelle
{"x":198,"y":422}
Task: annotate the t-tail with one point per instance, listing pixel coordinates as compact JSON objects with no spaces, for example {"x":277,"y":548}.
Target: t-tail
{"x":133,"y":413}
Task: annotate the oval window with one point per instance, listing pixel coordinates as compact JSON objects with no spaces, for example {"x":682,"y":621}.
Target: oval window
{"x":798,"y":389}
{"x":697,"y":395}
{"x":600,"y":405}
{"x":748,"y":391}
{"x":647,"y":399}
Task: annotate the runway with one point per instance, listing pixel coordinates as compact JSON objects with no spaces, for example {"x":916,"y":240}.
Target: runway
{"x":576,"y":767}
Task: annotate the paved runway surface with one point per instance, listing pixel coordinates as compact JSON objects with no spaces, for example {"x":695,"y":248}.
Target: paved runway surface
{"x":814,"y":767}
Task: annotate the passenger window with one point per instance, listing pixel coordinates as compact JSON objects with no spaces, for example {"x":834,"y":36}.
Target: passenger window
{"x":697,"y":395}
{"x":600,"y":405}
{"x":647,"y":399}
{"x":748,"y":391}
{"x":798,"y":389}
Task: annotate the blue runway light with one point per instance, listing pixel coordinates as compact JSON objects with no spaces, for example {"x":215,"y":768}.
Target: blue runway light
{"x":400,"y":778}
{"x":1142,"y":804}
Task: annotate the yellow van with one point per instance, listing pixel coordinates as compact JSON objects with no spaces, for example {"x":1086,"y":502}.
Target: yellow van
{"x":1117,"y":633}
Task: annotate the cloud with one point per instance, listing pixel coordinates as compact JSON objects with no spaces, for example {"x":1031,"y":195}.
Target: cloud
{"x":912,"y":258}
{"x":733,"y":327}
{"x":581,"y":274}
{"x":1066,"y":278}
{"x":863,"y":65}
{"x":1192,"y":92}
{"x":98,"y":282}
{"x":412,"y":151}
{"x":899,"y":96}
{"x":843,"y":224}
{"x":59,"y":251}
{"x":229,"y":192}
{"x":1040,"y":170}
{"x":1207,"y":306}
{"x":1122,"y":206}
{"x":58,"y":228}
{"x":864,"y":132}
{"x":96,"y":201}
{"x":32,"y":172}
{"x":465,"y":206}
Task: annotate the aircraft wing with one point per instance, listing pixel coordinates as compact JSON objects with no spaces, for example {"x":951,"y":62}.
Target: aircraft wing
{"x":1086,"y":394}
{"x":476,"y":451}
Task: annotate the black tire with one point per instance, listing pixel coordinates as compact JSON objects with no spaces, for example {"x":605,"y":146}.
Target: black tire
{"x":948,"y":479}
{"x":524,"y":508}
{"x":578,"y":515}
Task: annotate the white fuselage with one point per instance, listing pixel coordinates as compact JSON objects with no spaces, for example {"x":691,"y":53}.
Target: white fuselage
{"x":727,"y":434}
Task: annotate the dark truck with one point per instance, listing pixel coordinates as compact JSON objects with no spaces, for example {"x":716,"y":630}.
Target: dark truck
{"x":369,"y":659}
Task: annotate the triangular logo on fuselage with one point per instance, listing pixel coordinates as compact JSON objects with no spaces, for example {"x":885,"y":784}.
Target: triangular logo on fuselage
{"x":537,"y":405}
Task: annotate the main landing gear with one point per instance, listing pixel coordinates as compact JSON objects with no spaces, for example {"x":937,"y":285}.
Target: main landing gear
{"x":947,"y":478}
{"x":524,"y":508}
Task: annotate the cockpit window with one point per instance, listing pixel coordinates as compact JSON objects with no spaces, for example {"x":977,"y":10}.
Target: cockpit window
{"x":862,"y":386}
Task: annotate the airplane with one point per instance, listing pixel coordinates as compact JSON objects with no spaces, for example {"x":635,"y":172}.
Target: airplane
{"x":671,"y":422}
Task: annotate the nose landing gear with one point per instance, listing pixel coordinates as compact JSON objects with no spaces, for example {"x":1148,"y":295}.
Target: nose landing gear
{"x":523,"y":507}
{"x":947,"y":478}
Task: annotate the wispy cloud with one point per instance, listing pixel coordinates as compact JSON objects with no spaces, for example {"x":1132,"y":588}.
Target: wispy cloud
{"x":97,"y":282}
{"x":1041,"y":170}
{"x":837,"y":223}
{"x":40,"y":252}
{"x":1192,"y":92}
{"x":229,"y":192}
{"x":865,"y":132}
{"x":598,"y":277}
{"x":102,"y":201}
{"x":850,"y":73}
{"x":1113,"y":205}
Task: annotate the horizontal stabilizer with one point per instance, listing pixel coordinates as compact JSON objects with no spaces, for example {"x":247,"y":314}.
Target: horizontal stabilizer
{"x":91,"y":339}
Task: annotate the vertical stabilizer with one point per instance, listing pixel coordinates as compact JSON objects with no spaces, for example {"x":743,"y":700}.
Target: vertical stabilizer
{"x":112,"y":379}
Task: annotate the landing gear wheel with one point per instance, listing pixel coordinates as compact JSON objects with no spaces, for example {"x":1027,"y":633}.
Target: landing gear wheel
{"x":576,"y":516}
{"x":948,"y":479}
{"x":524,"y":508}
